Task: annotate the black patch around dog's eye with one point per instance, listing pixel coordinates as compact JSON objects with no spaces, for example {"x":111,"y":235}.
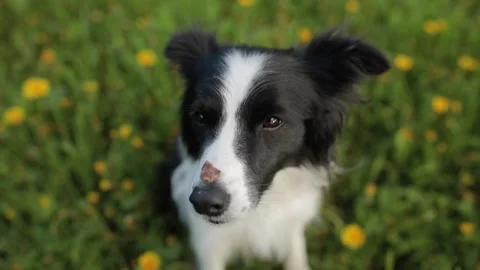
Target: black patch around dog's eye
{"x":271,"y":123}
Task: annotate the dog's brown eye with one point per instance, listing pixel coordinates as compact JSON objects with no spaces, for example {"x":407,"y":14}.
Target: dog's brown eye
{"x":271,"y":122}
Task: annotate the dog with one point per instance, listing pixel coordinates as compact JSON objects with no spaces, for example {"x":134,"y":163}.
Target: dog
{"x":255,"y":150}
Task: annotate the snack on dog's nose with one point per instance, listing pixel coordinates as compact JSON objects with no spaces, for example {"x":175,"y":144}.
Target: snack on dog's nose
{"x":209,"y":172}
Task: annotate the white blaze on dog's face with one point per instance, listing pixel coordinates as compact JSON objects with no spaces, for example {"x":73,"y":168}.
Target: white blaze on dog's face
{"x":249,"y":112}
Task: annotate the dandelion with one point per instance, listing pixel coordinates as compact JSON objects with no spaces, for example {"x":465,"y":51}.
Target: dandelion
{"x":467,"y":63}
{"x":434,"y":27}
{"x":125,"y":130}
{"x":93,"y":197}
{"x":403,"y":62}
{"x":431,"y":135}
{"x":442,"y":147}
{"x":14,"y":116}
{"x":90,"y":86}
{"x":352,"y":6}
{"x":146,"y":58}
{"x":456,"y":106}
{"x":9,"y":214}
{"x":35,"y":88}
{"x":105,"y":185}
{"x":66,"y":102}
{"x":48,"y":56}
{"x":246,"y":3}
{"x":406,"y":134}
{"x":353,"y":236}
{"x":466,"y":179}
{"x":99,"y":167}
{"x":44,"y":202}
{"x":137,"y":142}
{"x":440,"y":104}
{"x":467,"y":228}
{"x":304,"y":35}
{"x":370,"y":190}
{"x":149,"y":261}
{"x":127,"y":184}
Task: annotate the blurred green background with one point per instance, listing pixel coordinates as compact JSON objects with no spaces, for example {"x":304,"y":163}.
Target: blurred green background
{"x":89,"y":106}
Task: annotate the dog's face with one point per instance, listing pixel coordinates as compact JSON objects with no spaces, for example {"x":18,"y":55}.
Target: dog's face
{"x":249,"y":112}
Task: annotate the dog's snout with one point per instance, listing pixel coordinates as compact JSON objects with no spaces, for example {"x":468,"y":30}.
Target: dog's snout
{"x":211,"y":200}
{"x":209,"y":172}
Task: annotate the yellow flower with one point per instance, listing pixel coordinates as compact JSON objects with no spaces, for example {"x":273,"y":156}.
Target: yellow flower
{"x":467,"y":228}
{"x":90,"y":86}
{"x":433,"y":27}
{"x":47,"y":56}
{"x":407,"y":134}
{"x":44,"y":201}
{"x":431,"y":135}
{"x":146,"y":58}
{"x":35,"y":88}
{"x":127,"y":184}
{"x":93,"y":197}
{"x":125,"y":130}
{"x":105,"y":185}
{"x":456,"y":106}
{"x":353,"y":236}
{"x":467,"y":63}
{"x":14,"y":116}
{"x":304,"y":35}
{"x":9,"y":214}
{"x":370,"y":190}
{"x":442,"y":147}
{"x":440,"y":104}
{"x":99,"y":167}
{"x":352,"y":6}
{"x":66,"y":102}
{"x":403,"y":62}
{"x":149,"y":261}
{"x":246,"y":3}
{"x":466,"y":179}
{"x":137,"y":142}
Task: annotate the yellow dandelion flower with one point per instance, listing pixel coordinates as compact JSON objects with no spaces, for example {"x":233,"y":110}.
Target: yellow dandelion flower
{"x":146,"y":58}
{"x":99,"y":167}
{"x":149,"y":261}
{"x":304,"y":35}
{"x":370,"y":190}
{"x":440,"y":104}
{"x":352,"y":6}
{"x":431,"y":27}
{"x":127,"y":184}
{"x":466,"y":179}
{"x":467,"y":63}
{"x":403,"y":62}
{"x":125,"y":130}
{"x":431,"y":135}
{"x":35,"y":88}
{"x":407,"y":134}
{"x":137,"y":142}
{"x":105,"y":185}
{"x":246,"y":3}
{"x":44,"y":201}
{"x":9,"y":214}
{"x":90,"y":86}
{"x":66,"y":102}
{"x":14,"y":116}
{"x":48,"y":56}
{"x":442,"y":147}
{"x":353,"y":236}
{"x":456,"y":106}
{"x":467,"y":228}
{"x":93,"y":197}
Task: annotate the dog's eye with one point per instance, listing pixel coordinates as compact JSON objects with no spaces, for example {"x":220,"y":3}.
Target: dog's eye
{"x":271,"y":122}
{"x":199,"y":118}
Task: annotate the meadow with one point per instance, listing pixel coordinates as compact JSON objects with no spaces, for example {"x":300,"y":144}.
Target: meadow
{"x":88,"y":107}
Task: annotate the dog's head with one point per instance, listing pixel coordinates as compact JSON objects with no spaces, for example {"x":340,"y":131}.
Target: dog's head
{"x":249,"y":112}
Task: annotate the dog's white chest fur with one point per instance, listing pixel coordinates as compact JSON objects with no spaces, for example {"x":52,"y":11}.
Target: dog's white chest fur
{"x":274,"y":230}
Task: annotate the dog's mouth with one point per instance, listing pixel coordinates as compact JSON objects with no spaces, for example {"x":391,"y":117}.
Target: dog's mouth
{"x":216,"y":220}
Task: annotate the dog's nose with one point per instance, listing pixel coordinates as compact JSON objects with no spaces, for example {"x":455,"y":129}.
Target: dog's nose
{"x":211,"y":200}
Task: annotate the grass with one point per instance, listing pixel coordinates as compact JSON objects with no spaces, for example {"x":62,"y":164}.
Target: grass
{"x":414,"y":190}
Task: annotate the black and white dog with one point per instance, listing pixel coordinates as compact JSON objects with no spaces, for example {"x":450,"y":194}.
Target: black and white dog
{"x":258,"y":127}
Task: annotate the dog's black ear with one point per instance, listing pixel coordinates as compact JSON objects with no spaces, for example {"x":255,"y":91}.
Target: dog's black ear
{"x":339,"y":61}
{"x":185,"y":48}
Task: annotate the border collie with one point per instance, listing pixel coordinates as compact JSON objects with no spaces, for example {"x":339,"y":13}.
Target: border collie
{"x":255,"y":150}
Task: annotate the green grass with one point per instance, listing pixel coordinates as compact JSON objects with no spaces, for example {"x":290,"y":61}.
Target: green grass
{"x":425,"y":188}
